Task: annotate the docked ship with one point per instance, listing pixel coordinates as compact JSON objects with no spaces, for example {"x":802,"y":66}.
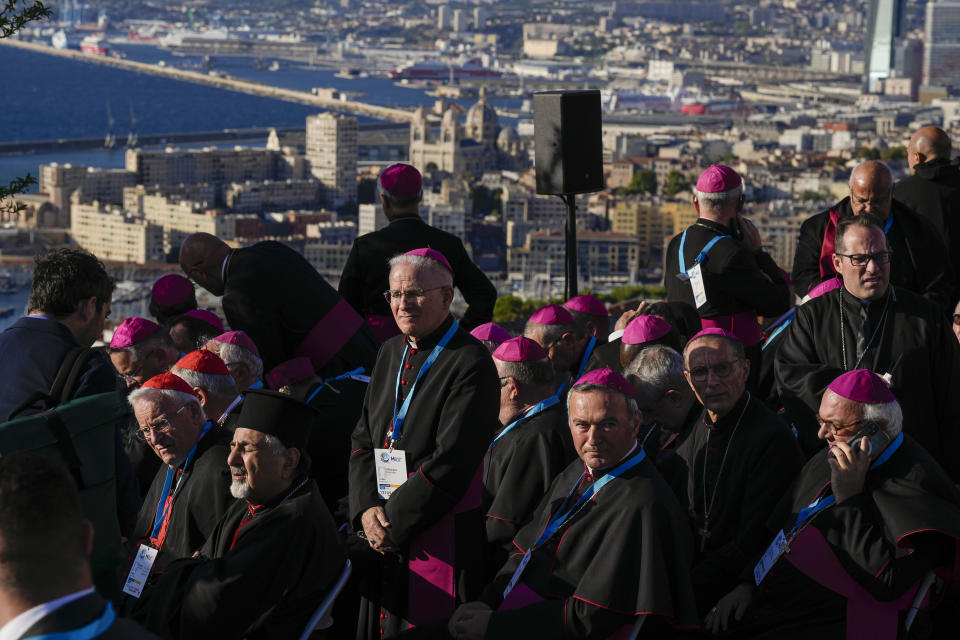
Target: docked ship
{"x":94,"y":44}
{"x":440,"y":70}
{"x":715,"y":105}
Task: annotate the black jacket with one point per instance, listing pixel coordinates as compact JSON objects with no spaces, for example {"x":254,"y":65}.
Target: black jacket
{"x":82,"y":612}
{"x":366,"y":274}
{"x":919,"y":263}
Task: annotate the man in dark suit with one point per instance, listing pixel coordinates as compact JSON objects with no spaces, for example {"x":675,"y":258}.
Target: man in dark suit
{"x":68,"y":307}
{"x":274,"y":295}
{"x":365,"y":275}
{"x":45,"y":584}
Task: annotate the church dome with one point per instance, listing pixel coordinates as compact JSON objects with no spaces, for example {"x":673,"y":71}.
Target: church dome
{"x":482,"y":121}
{"x":507,"y":135}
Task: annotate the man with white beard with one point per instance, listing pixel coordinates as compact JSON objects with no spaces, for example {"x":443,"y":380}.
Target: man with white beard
{"x":274,"y":555}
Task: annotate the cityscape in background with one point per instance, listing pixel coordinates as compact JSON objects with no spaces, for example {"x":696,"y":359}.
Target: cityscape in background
{"x":790,"y":93}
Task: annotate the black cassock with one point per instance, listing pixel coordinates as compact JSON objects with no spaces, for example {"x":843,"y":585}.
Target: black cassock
{"x":260,"y":575}
{"x":274,"y":295}
{"x":200,"y":502}
{"x":438,"y":510}
{"x":904,"y":523}
{"x":913,"y":343}
{"x":517,"y":471}
{"x":747,"y":473}
{"x":627,"y":552}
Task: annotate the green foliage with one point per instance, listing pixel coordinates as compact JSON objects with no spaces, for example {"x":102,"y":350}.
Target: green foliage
{"x":814,"y":196}
{"x":868,"y":153}
{"x":16,"y":186}
{"x":14,"y":14}
{"x":675,"y":183}
{"x":643,"y":181}
{"x":515,"y":308}
{"x":898,"y":152}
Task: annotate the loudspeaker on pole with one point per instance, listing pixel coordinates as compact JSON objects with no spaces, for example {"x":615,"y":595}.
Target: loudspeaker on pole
{"x":567,"y":133}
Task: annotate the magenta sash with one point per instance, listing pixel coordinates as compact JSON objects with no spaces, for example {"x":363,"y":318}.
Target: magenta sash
{"x":384,"y":327}
{"x":743,"y":325}
{"x":827,"y":247}
{"x":330,"y":334}
{"x":866,"y":617}
{"x":433,"y":587}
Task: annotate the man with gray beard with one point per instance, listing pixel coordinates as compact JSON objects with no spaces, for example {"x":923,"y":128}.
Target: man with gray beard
{"x":275,"y":554}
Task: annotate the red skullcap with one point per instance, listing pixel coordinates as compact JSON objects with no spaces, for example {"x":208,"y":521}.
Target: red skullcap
{"x":203,"y":361}
{"x":169,"y":381}
{"x":132,"y":331}
{"x":519,"y":350}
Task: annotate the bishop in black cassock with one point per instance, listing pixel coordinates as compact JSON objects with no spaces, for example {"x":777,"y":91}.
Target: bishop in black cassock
{"x":869,"y":324}
{"x":530,"y":449}
{"x":435,"y":516}
{"x":739,"y":460}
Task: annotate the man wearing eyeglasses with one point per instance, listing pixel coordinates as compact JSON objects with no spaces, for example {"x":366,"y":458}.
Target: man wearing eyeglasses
{"x":869,"y":324}
{"x":919,"y":255}
{"x":415,"y":472}
{"x":856,"y":535}
{"x":739,"y":460}
{"x":191,"y":490}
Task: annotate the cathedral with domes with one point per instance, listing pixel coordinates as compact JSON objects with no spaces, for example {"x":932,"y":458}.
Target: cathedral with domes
{"x":479,"y":145}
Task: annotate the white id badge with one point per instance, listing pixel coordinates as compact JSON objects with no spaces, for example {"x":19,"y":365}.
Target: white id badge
{"x":770,"y":557}
{"x":140,"y":571}
{"x":515,"y":578}
{"x":391,"y":470}
{"x":696,"y":281}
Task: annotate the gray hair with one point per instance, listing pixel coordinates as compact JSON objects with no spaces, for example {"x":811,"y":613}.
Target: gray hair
{"x":277,"y":448}
{"x":422,"y":262}
{"x":552,"y":332}
{"x":887,"y":414}
{"x":151,"y":394}
{"x":719,"y":199}
{"x":534,"y":373}
{"x":658,"y":368}
{"x":221,"y":385}
{"x":231,"y":353}
{"x":587,"y":387}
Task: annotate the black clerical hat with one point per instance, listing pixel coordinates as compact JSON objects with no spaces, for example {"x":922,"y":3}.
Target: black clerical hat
{"x":277,"y":414}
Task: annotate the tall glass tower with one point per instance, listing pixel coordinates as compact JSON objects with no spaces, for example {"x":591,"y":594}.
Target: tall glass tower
{"x":941,"y":60}
{"x":883,"y":28}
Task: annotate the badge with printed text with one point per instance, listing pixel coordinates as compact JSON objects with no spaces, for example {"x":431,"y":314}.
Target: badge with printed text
{"x":140,"y":571}
{"x":696,"y":281}
{"x":391,"y":467}
{"x":770,"y":557}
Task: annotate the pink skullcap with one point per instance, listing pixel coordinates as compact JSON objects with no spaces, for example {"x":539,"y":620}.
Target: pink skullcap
{"x":644,"y":329}
{"x":203,"y":361}
{"x":206,"y":316}
{"x":240,"y":339}
{"x":171,"y":290}
{"x":289,"y":372}
{"x":714,"y":331}
{"x":551,"y":314}
{"x":490,"y":331}
{"x":433,"y":254}
{"x":586,"y":304}
{"x":825,"y":287}
{"x":401,"y":181}
{"x":606,"y":378}
{"x":170,"y":382}
{"x":862,"y":385}
{"x":717,"y":178}
{"x":519,"y":350}
{"x":132,"y":331}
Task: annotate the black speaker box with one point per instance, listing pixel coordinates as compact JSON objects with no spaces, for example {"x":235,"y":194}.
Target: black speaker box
{"x":568,"y":143}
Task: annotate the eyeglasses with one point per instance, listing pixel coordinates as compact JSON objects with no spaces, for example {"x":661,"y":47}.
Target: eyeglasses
{"x":835,"y":428}
{"x":159,"y":426}
{"x":721,"y":370}
{"x":861,"y":259}
{"x":131,"y":378}
{"x":409,"y":295}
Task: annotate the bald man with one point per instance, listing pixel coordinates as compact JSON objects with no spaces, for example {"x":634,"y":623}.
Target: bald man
{"x":933,"y":191}
{"x":919,"y":262}
{"x":274,"y":295}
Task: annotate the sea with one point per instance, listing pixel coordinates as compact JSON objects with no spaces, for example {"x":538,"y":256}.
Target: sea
{"x":47,"y":97}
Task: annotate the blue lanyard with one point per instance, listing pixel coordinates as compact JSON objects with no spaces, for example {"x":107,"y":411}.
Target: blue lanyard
{"x":162,"y":504}
{"x":257,"y":385}
{"x":786,"y":320}
{"x":96,"y":628}
{"x":820,"y":504}
{"x":560,"y":519}
{"x":586,"y":356}
{"x":536,"y":409}
{"x":399,"y":417}
{"x":886,"y":227}
{"x":349,"y":374}
{"x":700,"y":256}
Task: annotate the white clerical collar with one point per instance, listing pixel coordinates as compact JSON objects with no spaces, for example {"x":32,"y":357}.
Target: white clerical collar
{"x":15,"y":629}
{"x":632,"y":449}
